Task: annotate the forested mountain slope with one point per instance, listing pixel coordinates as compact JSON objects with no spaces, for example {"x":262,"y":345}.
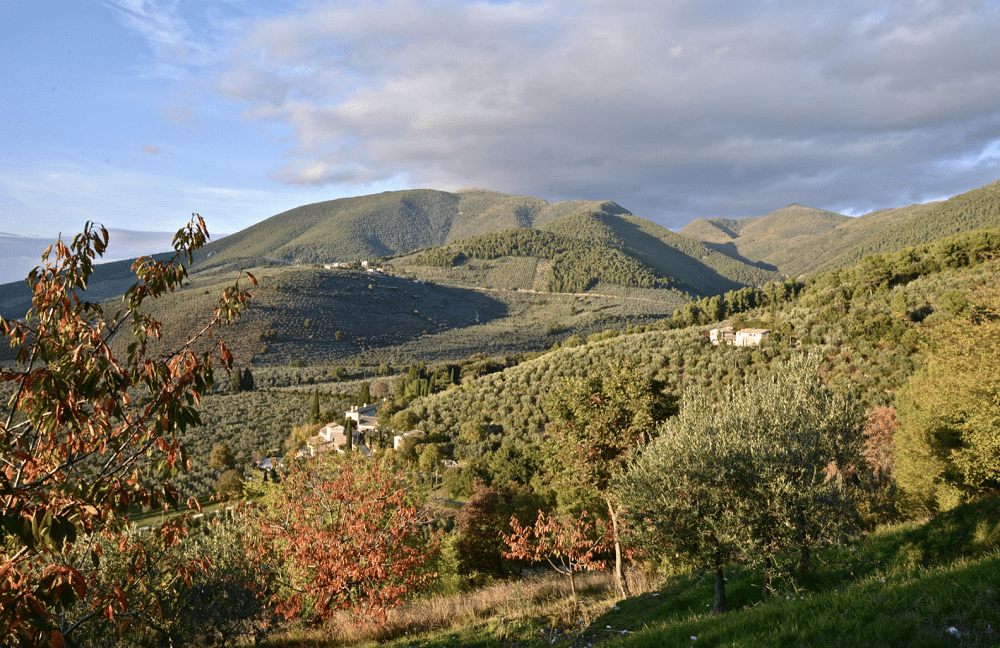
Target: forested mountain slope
{"x":590,"y":248}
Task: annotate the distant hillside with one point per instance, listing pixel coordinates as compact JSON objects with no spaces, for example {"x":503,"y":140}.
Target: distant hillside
{"x":385,"y":224}
{"x":764,"y":239}
{"x":110,"y":280}
{"x":590,"y":248}
{"x":799,"y":240}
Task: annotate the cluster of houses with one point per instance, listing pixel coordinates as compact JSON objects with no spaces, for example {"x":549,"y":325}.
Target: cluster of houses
{"x":743,"y":337}
{"x":345,"y":264}
{"x":332,"y":437}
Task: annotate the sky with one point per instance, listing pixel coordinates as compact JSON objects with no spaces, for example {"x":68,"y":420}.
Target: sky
{"x":138,"y":113}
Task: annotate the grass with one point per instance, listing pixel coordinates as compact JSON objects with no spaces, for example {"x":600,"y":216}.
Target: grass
{"x":529,"y":612}
{"x":154,"y":517}
{"x":916,"y":584}
{"x":935,"y":583}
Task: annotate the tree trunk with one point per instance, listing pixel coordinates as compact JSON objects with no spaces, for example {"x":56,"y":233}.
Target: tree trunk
{"x":619,"y":572}
{"x":720,"y":592}
{"x":766,"y":591}
{"x":803,"y":544}
{"x":572,"y":587}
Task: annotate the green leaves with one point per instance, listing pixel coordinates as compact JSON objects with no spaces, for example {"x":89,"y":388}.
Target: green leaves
{"x":765,"y":468}
{"x":948,"y":441}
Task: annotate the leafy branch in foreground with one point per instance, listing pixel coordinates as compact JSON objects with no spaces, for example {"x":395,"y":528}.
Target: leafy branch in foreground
{"x":87,"y":434}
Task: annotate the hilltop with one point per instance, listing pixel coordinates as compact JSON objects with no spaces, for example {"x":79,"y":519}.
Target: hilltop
{"x":385,"y":224}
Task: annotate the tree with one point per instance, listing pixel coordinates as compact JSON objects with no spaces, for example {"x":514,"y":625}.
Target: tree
{"x":364,"y":394}
{"x":222,"y":605}
{"x":79,"y":447}
{"x":430,"y":459}
{"x":567,"y":544}
{"x":948,"y":439}
{"x":221,"y":457}
{"x":774,"y":465}
{"x":510,"y":464}
{"x":230,"y":484}
{"x":480,"y":547}
{"x":403,"y":420}
{"x":344,"y":536}
{"x":598,"y":422}
{"x":314,"y":413}
{"x":349,"y":433}
{"x":953,"y":302}
{"x":471,"y":432}
{"x":247,"y":382}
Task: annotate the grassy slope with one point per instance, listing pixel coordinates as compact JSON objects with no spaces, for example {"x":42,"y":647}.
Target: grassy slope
{"x":904,"y":585}
{"x":340,"y":230}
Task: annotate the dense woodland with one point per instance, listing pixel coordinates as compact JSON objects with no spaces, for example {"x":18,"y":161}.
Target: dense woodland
{"x":600,"y":432}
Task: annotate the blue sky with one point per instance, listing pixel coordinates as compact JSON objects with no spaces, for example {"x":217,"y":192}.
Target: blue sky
{"x":136,"y":113}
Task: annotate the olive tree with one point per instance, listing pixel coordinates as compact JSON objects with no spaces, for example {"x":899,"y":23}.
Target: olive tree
{"x":772,"y":465}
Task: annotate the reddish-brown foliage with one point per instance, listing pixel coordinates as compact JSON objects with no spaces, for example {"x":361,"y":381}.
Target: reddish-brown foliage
{"x":879,"y":446}
{"x":568,"y":545}
{"x":87,"y":432}
{"x":343,"y":536}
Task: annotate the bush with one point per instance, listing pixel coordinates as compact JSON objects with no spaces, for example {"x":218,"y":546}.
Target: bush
{"x":230,"y":485}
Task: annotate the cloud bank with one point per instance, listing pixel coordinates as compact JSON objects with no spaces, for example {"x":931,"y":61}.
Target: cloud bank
{"x":676,"y":110}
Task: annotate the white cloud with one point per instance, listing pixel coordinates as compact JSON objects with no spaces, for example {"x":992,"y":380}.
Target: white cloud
{"x":676,"y":110}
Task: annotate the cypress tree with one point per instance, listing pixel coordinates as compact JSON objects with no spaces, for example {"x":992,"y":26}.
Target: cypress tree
{"x":364,"y":394}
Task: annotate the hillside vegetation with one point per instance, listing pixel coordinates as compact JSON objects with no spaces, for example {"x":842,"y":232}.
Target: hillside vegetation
{"x":380,"y":225}
{"x":798,"y":240}
{"x":588,"y":248}
{"x":764,"y":488}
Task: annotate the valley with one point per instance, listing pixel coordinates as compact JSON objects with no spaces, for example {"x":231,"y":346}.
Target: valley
{"x":483,"y":341}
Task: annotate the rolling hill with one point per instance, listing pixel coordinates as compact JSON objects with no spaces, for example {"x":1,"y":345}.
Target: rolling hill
{"x":799,"y":240}
{"x":385,"y":224}
{"x":577,"y":252}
